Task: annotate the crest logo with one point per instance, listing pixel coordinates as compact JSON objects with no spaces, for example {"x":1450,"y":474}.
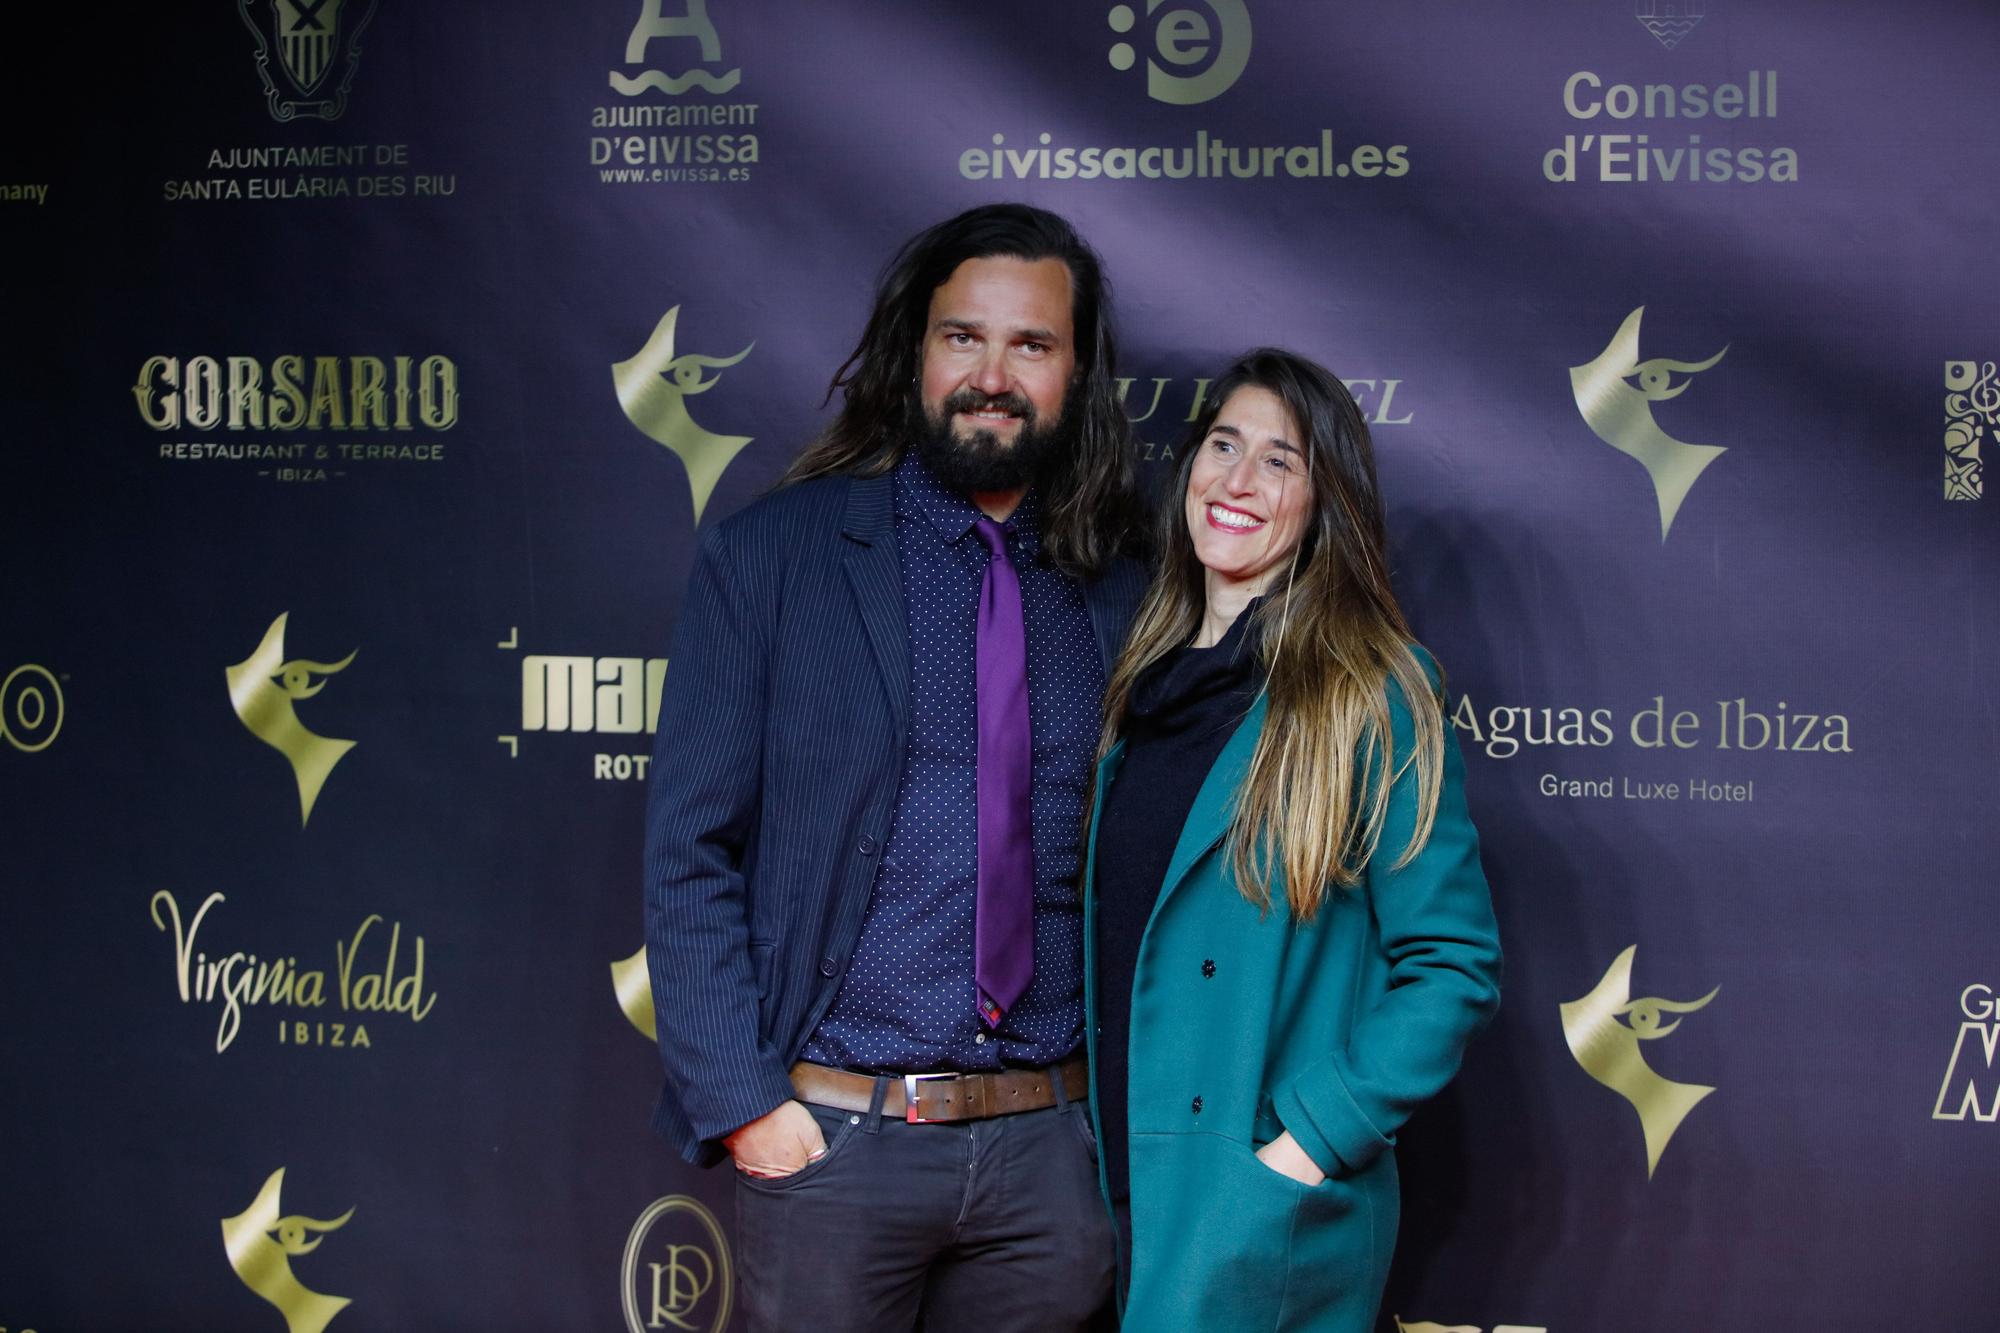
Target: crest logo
{"x":1193,"y":60}
{"x":31,"y":708}
{"x":687,"y":1282}
{"x":261,"y":1246}
{"x":653,"y":388}
{"x":1972,"y":415}
{"x":1669,"y":20}
{"x":1620,"y":413}
{"x":263,"y":687}
{"x":693,"y":26}
{"x":633,"y":984}
{"x":316,"y":47}
{"x":1608,"y":1051}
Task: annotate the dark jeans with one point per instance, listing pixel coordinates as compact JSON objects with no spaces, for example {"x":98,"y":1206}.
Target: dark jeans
{"x":993,"y":1225}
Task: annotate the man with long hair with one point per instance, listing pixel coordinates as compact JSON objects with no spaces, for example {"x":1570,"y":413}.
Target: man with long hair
{"x":862,"y":851}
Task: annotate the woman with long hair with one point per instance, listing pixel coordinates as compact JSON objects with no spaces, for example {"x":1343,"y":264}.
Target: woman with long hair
{"x":1292,"y":937}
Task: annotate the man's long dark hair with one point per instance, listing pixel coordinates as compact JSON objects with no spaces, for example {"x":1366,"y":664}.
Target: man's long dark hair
{"x":1089,"y":505}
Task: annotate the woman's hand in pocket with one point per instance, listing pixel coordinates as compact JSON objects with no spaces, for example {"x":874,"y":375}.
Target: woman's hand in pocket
{"x":1284,"y":1155}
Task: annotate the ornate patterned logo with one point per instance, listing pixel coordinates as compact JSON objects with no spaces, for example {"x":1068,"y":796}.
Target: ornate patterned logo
{"x":1193,"y":60}
{"x":1971,"y":416}
{"x":261,"y":1246}
{"x":1609,"y":1052}
{"x":653,"y":388}
{"x":315,"y":47}
{"x":653,"y":26}
{"x":1670,"y":20}
{"x":263,"y":687}
{"x":1620,"y":413}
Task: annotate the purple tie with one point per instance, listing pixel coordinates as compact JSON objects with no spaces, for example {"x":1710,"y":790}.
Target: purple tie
{"x":1004,"y":922}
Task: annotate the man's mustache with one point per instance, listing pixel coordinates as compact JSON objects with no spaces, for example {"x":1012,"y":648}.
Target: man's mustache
{"x":972,"y":400}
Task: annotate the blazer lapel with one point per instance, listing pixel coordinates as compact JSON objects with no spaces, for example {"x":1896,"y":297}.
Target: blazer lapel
{"x":1208,"y":819}
{"x":1112,"y":598}
{"x":876,"y":576}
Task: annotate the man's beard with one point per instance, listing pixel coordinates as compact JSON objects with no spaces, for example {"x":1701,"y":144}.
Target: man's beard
{"x":981,"y":462}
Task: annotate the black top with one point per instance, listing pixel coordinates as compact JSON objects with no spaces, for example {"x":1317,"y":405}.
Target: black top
{"x":1182,"y":712}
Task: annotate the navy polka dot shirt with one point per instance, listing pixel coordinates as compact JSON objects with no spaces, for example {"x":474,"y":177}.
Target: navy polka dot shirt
{"x":907,"y":1003}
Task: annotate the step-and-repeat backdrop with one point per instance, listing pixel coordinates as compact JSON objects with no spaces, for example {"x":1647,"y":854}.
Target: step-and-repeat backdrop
{"x":371,"y":368}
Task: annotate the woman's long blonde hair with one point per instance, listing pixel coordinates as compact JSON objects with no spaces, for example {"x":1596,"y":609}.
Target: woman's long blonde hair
{"x":1331,"y":637}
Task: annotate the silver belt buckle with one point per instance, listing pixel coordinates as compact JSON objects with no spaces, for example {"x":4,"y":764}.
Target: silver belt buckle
{"x":910,"y":1082}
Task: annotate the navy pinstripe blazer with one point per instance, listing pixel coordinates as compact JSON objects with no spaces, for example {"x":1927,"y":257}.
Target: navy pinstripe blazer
{"x":780,"y":747}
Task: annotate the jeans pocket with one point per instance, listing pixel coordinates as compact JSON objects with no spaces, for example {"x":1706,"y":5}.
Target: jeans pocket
{"x":836,"y":1127}
{"x":1086,"y":1129}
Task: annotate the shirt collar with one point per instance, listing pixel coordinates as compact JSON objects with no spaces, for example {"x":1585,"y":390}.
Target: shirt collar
{"x":951,"y":515}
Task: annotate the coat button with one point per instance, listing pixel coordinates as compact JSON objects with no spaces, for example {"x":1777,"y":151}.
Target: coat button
{"x":867,"y":845}
{"x":828,"y":968}
{"x":1197,"y":1106}
{"x":1208,"y":967}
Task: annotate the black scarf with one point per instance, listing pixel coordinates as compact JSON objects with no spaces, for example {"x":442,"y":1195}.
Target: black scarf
{"x":1180,"y":690}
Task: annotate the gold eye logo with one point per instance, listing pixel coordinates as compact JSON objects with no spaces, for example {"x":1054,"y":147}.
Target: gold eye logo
{"x":1609,"y":1051}
{"x":261,"y":1246}
{"x":1655,"y":379}
{"x":1619,"y":412}
{"x":262,"y":689}
{"x":634,"y":986}
{"x":653,"y":387}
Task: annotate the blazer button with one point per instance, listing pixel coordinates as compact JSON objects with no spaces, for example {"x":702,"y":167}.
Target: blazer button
{"x":828,"y":968}
{"x":1208,"y":967}
{"x":867,"y":845}
{"x":1197,"y":1106}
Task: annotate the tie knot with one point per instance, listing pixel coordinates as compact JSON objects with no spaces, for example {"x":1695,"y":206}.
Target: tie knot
{"x":993,"y":535}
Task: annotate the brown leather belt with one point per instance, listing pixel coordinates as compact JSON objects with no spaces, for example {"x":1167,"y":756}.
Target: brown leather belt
{"x":926,"y":1099}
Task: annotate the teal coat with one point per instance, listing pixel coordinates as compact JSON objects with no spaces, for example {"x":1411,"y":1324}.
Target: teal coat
{"x":1334,"y":1031}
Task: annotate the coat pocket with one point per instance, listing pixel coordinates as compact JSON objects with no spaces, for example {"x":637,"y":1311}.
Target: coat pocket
{"x":1267,"y":1125}
{"x":1211,"y":1229}
{"x":1221,"y":1241}
{"x":1339,"y":1258}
